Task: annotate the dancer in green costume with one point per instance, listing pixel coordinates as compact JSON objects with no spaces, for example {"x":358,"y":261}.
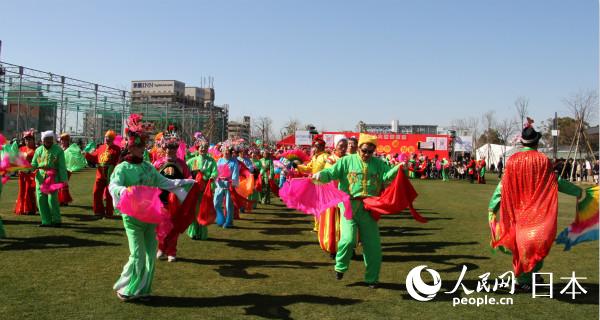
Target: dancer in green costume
{"x":267,"y":172}
{"x":49,"y":156}
{"x":135,"y":281}
{"x":204,"y":164}
{"x":360,"y":175}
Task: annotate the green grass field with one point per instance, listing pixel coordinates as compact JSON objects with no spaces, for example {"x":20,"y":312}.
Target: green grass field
{"x":271,"y":266}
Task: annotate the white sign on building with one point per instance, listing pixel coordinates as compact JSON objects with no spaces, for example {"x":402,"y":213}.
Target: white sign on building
{"x":303,"y":138}
{"x":463,"y":144}
{"x":158,"y":86}
{"x":329,"y":139}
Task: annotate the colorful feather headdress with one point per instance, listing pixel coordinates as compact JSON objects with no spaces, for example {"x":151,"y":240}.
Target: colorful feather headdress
{"x":137,"y":131}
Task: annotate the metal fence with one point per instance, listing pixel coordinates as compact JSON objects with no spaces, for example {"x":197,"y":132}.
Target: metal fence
{"x":43,"y":100}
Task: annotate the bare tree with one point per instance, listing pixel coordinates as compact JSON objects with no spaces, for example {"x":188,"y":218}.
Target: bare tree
{"x":522,"y":104}
{"x":506,"y":129}
{"x":263,"y":129}
{"x":584,"y":106}
{"x":461,"y":125}
{"x":489,"y":122}
{"x":291,"y":126}
{"x":473,"y":125}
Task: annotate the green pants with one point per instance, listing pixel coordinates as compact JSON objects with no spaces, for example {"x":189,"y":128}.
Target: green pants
{"x":444,"y":174}
{"x":2,"y":233}
{"x":369,"y":236}
{"x":254,"y":197}
{"x":526,"y":277}
{"x":48,"y":206}
{"x":265,"y":194}
{"x":137,"y":275}
{"x":197,"y":231}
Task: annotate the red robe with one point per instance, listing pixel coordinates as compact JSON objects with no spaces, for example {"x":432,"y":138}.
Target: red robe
{"x":25,"y":203}
{"x":528,"y":209}
{"x":398,"y":196}
{"x":64,"y":196}
{"x":480,"y":166}
{"x":106,"y":157}
{"x":471,"y":167}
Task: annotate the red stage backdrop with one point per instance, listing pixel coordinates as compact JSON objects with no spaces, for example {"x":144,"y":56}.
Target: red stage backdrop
{"x":393,"y":142}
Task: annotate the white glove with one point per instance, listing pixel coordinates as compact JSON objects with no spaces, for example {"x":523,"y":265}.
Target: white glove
{"x":316,"y":176}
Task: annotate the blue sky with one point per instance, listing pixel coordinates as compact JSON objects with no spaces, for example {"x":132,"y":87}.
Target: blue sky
{"x":330,"y":63}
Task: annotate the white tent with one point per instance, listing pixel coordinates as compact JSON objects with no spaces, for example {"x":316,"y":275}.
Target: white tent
{"x":493,"y":153}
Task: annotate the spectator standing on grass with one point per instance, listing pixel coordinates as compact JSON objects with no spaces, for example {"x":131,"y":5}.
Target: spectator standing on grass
{"x":500,"y":168}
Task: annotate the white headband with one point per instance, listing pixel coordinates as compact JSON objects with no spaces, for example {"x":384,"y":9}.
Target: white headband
{"x":47,"y":134}
{"x":338,"y":138}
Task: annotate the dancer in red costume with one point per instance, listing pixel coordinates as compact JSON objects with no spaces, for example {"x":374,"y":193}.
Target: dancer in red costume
{"x":471,"y":169}
{"x":26,"y":198}
{"x":106,"y":157}
{"x":64,"y":196}
{"x":527,"y":198}
{"x":172,"y":167}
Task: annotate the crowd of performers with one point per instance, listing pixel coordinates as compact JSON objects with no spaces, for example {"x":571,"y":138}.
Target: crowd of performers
{"x":206,"y":184}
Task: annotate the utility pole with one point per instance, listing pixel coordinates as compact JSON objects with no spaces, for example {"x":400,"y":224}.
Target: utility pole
{"x":555,"y":137}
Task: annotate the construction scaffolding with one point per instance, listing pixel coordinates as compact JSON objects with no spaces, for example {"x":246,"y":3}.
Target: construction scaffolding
{"x":210,"y":120}
{"x":43,"y":100}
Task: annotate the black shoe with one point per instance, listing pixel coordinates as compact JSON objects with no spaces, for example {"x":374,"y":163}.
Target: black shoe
{"x":372,"y":285}
{"x":539,"y":279}
{"x":332,"y":256}
{"x":56,"y":225}
{"x":523,"y":288}
{"x":45,"y":226}
{"x":339,"y":275}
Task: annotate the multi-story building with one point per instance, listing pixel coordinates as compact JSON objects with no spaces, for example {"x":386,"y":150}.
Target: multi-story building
{"x":239,"y":130}
{"x":190,"y":109}
{"x":157,"y":91}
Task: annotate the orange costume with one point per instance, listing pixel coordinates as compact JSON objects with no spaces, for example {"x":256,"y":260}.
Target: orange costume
{"x":106,"y":157}
{"x":26,"y":198}
{"x":64,"y":196}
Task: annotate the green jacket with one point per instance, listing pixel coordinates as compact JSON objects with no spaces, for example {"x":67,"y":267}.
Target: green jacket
{"x":204,"y":164}
{"x":52,"y":158}
{"x":359,"y":178}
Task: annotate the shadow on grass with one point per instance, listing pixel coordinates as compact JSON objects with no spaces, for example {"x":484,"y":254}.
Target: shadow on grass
{"x":264,"y":245}
{"x":276,"y":231}
{"x":443,"y":259}
{"x":261,"y":305}
{"x":442,"y":296}
{"x":279,"y":222}
{"x":80,"y":216}
{"x":238,"y":268}
{"x":50,"y":242}
{"x":19,"y":222}
{"x":591,"y":297}
{"x":407,"y":216}
{"x":289,"y":214}
{"x":391,"y":231}
{"x":79,"y":206}
{"x":422,"y":247}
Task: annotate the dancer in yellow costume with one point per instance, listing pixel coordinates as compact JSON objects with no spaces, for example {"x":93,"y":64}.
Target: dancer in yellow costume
{"x":317,"y":163}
